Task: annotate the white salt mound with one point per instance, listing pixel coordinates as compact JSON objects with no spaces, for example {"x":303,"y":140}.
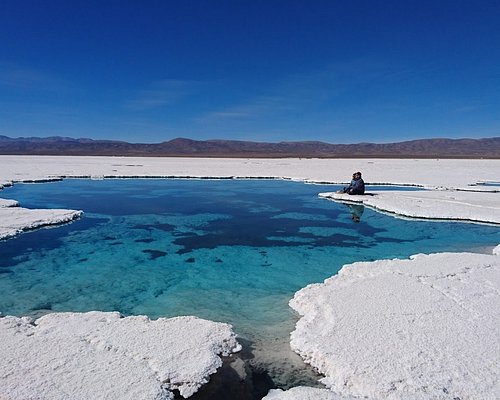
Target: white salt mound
{"x":423,"y":328}
{"x":99,"y":355}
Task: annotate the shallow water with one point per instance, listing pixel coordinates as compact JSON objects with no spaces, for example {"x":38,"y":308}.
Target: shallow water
{"x":231,"y":251}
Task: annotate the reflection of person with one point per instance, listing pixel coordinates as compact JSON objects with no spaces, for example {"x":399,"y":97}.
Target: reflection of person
{"x":357,"y":211}
{"x":357,"y":185}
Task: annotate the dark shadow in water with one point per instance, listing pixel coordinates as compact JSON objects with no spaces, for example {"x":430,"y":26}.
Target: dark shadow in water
{"x":245,"y":225}
{"x":154,"y":254}
{"x":234,"y":384}
{"x":146,"y":240}
{"x":236,"y":379}
{"x":247,"y":230}
{"x":42,"y":239}
{"x":161,"y":227}
{"x":240,"y":378}
{"x":5,"y":270}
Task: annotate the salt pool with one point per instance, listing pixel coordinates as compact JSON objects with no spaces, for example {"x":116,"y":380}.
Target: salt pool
{"x":225,"y":250}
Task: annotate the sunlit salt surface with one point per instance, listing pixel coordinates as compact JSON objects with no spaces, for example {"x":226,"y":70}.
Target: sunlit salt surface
{"x":225,"y":250}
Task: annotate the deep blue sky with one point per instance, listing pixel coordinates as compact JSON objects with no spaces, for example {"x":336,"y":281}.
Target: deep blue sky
{"x":266,"y":70}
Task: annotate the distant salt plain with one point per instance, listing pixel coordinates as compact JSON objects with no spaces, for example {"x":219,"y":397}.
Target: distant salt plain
{"x":429,"y":173}
{"x":437,"y":373}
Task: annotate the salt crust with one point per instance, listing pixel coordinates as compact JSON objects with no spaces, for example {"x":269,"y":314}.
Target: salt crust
{"x":14,"y":220}
{"x":496,"y":250}
{"x":422,"y":328}
{"x":5,"y":183}
{"x":457,"y":205}
{"x":98,"y":355}
{"x":305,"y":393}
{"x":428,"y":173}
{"x":8,"y":203}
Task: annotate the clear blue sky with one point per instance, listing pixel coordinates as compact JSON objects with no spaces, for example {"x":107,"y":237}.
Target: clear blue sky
{"x":265,"y":70}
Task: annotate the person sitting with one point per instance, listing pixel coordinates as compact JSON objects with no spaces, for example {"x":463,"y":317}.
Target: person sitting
{"x":357,"y":185}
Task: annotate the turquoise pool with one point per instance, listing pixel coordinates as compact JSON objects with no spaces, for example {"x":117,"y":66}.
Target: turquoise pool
{"x":226,"y":250}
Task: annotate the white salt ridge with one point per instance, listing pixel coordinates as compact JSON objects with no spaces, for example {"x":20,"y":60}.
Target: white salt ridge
{"x":456,"y":205}
{"x":422,"y":328}
{"x":8,"y":203}
{"x":496,"y":250}
{"x":4,"y":184}
{"x":99,"y":355}
{"x":305,"y":393}
{"x":14,"y":220}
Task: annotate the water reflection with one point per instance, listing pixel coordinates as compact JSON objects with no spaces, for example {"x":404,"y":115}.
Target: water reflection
{"x":356,"y":211}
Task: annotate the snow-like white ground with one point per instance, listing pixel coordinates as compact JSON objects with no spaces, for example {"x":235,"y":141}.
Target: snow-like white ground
{"x":305,"y":393}
{"x":435,"y":204}
{"x":99,"y":355}
{"x":8,"y":203}
{"x":14,"y":220}
{"x":423,"y":328}
{"x":5,"y":183}
{"x":427,"y":173}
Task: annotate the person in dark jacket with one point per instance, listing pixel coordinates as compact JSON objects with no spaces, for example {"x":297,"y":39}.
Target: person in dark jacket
{"x":357,"y":185}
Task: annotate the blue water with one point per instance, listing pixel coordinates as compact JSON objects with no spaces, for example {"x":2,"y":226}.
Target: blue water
{"x":494,"y":184}
{"x":232,"y":251}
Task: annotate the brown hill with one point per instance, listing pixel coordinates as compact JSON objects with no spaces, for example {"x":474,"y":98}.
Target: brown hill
{"x":424,"y":148}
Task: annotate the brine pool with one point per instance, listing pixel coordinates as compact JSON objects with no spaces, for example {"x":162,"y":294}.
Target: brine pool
{"x":227,"y":250}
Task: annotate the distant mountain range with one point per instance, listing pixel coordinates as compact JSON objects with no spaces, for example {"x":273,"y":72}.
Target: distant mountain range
{"x":424,"y":148}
